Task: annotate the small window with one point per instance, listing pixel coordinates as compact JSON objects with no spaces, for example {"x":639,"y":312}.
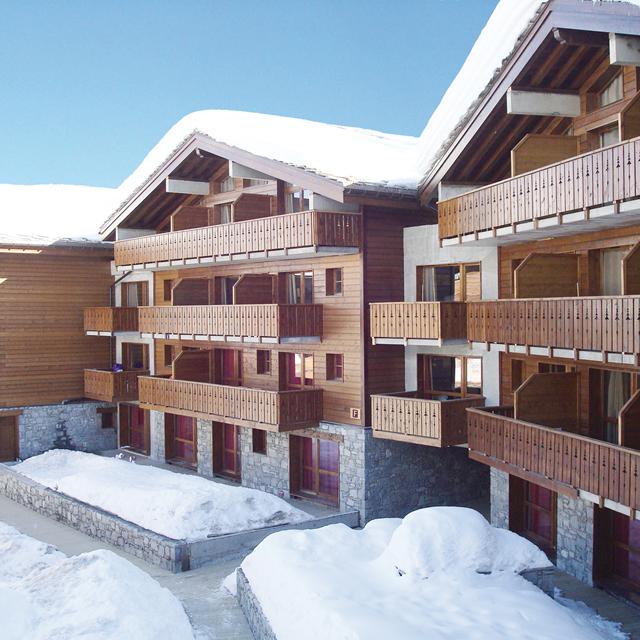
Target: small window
{"x":167,"y":285}
{"x":333,"y":282}
{"x":259,"y":441}
{"x":169,"y":354}
{"x":263,"y":362}
{"x":335,"y":367}
{"x":612,"y":92}
{"x":107,"y":418}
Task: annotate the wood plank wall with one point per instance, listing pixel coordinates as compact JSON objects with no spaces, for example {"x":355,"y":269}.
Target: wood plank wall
{"x":43,"y":348}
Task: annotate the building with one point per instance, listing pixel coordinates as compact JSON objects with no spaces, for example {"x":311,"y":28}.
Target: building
{"x":247,"y":250}
{"x":527,"y":290}
{"x":45,"y":283}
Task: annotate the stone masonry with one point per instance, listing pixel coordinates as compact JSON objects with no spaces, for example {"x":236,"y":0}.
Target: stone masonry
{"x":499,"y":498}
{"x":268,"y":472}
{"x":575,"y":537}
{"x":63,"y":426}
{"x":205,"y":447}
{"x":157,"y":450}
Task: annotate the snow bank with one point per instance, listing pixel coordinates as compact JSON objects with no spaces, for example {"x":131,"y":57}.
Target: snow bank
{"x":42,"y":213}
{"x":179,"y":506}
{"x":97,"y":595}
{"x":412,"y":579}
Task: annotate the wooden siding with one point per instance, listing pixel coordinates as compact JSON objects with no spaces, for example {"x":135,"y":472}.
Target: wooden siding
{"x":111,"y":319}
{"x":418,"y":320}
{"x":565,"y":462}
{"x":604,"y":323}
{"x":110,"y":386}
{"x":245,"y":320}
{"x":590,"y":180}
{"x":43,"y":347}
{"x":309,"y":229}
{"x":427,"y":421}
{"x":269,"y":410}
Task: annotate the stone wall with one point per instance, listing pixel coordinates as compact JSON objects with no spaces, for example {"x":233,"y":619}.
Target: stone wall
{"x":499,"y":498}
{"x":575,"y":537}
{"x":250,"y":605}
{"x":268,"y":472}
{"x":157,"y":449}
{"x":205,"y":447}
{"x":402,"y":477}
{"x":63,"y":426}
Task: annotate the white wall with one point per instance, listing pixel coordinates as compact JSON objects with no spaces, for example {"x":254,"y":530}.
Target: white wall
{"x":422,"y":247}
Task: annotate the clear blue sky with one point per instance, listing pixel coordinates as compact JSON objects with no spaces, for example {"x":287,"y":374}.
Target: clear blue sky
{"x":88,"y":87}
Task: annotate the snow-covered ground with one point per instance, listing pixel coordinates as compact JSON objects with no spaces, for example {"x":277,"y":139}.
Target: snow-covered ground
{"x":179,"y":506}
{"x":98,"y":595}
{"x":440,"y":573}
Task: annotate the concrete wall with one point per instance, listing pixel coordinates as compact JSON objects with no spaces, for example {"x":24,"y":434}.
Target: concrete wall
{"x":63,"y":426}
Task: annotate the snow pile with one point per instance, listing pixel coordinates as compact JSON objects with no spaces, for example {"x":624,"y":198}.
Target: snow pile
{"x":179,"y":506}
{"x":40,"y":214}
{"x":412,"y":579}
{"x":97,"y":595}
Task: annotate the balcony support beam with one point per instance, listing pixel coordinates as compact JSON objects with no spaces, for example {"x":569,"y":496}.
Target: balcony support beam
{"x":624,"y":50}
{"x":542,"y":103}
{"x":187,"y":187}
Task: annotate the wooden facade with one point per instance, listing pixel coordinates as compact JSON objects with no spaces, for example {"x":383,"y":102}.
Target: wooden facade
{"x":43,"y":346}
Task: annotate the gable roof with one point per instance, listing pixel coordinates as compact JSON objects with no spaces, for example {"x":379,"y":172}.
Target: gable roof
{"x":48,"y":214}
{"x":512,"y":25}
{"x":347,"y":157}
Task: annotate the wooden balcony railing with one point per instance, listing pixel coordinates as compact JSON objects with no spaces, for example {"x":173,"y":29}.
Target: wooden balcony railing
{"x":269,"y":410}
{"x":243,"y":320}
{"x":591,"y":180}
{"x":568,"y":462}
{"x":418,"y":320}
{"x":430,"y":421}
{"x":309,"y":229}
{"x":110,"y":386}
{"x":111,"y":319}
{"x":605,"y":324}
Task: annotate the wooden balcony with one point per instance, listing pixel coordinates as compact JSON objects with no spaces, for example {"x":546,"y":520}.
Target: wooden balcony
{"x":592,"y":190}
{"x":268,"y":410}
{"x":291,"y":234}
{"x":105,"y":321}
{"x":432,"y":421}
{"x":246,"y":322}
{"x":558,"y":460}
{"x":417,"y":322}
{"x":590,"y":328}
{"x":111,"y":386}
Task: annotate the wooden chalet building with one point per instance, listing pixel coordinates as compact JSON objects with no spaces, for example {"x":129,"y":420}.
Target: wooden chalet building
{"x":522,"y":306}
{"x":247,"y":251}
{"x":45,"y":284}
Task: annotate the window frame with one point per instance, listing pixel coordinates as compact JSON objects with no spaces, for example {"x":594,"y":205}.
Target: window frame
{"x":263,"y":368}
{"x":462,"y":267}
{"x":335,"y":367}
{"x":259,"y":448}
{"x":334,"y":281}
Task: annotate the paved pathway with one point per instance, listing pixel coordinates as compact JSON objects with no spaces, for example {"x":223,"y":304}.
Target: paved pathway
{"x":213,"y":612}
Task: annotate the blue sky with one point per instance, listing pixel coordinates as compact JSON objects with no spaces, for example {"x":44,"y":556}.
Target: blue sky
{"x":87,"y":88}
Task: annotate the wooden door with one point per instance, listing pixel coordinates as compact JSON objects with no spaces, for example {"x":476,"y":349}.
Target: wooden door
{"x":182,"y":444}
{"x":315,"y":469}
{"x":8,"y":438}
{"x":134,"y":428}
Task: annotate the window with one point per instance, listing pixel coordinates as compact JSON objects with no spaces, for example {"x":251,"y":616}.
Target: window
{"x":167,"y":285}
{"x":107,"y":418}
{"x":612,"y":92}
{"x":169,"y":354}
{"x":611,"y":271}
{"x":333,"y":278}
{"x":315,"y":468}
{"x":449,"y":376}
{"x":259,"y":441}
{"x":135,"y":356}
{"x":449,"y":283}
{"x":224,"y":289}
{"x":224,"y":213}
{"x":335,"y":367}
{"x":298,"y":370}
{"x":263,"y":365}
{"x":616,"y":392}
{"x":608,"y":136}
{"x":134,"y":294}
{"x":227,"y":184}
{"x":299,"y":287}
{"x":298,"y":200}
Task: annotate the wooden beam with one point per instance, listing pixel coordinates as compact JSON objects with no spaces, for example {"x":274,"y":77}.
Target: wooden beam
{"x":542,"y":103}
{"x":188,"y":187}
{"x":624,"y":50}
{"x":237,"y":170}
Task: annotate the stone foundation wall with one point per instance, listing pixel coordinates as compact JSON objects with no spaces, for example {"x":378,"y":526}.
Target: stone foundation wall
{"x":402,"y":477}
{"x":268,"y":472}
{"x":499,"y":498}
{"x":205,"y":447}
{"x":75,"y":426}
{"x":157,"y":449}
{"x":575,"y":538}
{"x":256,"y":619}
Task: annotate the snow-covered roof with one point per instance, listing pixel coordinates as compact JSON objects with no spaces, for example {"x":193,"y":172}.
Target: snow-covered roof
{"x":349,"y":155}
{"x":497,"y":41}
{"x":47,"y":214}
